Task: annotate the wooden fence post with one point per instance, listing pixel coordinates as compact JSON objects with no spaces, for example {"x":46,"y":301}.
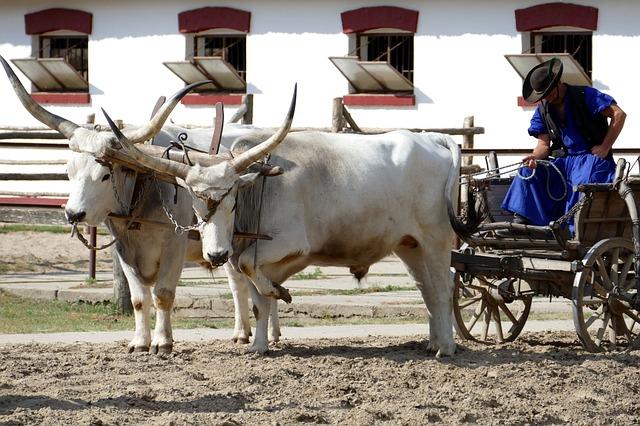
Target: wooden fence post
{"x":247,"y":117}
{"x":121,"y":292}
{"x":467,"y":141}
{"x":337,"y":119}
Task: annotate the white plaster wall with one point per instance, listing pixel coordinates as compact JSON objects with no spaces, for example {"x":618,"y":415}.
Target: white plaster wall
{"x":460,"y":68}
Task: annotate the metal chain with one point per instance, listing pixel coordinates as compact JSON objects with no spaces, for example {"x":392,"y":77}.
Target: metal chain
{"x":87,"y":244}
{"x":179,"y":229}
{"x":577,"y":206}
{"x":140,"y":194}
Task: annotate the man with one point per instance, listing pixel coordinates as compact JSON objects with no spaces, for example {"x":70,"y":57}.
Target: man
{"x":579,"y":125}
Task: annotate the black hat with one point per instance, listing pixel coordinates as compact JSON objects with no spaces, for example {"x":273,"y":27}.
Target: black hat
{"x":541,"y":80}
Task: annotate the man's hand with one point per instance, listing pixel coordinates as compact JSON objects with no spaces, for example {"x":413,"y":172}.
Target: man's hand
{"x":529,"y":162}
{"x":600,"y":151}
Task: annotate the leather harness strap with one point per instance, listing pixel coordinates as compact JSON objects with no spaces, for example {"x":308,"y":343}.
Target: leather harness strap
{"x":140,"y":178}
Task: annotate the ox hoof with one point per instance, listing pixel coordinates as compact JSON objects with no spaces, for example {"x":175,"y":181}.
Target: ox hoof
{"x":283,"y":294}
{"x":240,"y":340}
{"x":138,"y":349}
{"x":165,"y":349}
{"x":275,"y":338}
{"x":257,"y":351}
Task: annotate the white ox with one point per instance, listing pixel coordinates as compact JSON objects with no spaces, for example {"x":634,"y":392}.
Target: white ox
{"x":152,"y":257}
{"x":343,"y":200}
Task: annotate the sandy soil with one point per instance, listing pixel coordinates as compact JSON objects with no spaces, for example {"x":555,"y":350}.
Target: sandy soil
{"x":45,"y":252}
{"x":542,"y":378}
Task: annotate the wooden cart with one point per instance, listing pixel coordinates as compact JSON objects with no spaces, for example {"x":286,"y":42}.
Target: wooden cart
{"x":597,"y":268}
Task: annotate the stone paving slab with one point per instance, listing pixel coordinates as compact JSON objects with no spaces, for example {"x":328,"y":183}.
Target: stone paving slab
{"x":204,"y":295}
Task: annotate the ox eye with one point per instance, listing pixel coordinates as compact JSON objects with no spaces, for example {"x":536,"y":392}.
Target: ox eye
{"x":105,"y":177}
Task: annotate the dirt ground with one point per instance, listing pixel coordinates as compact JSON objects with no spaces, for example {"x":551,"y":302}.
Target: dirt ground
{"x":46,"y":252}
{"x":541,"y":378}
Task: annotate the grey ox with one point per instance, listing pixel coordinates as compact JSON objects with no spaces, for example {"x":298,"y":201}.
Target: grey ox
{"x":343,"y":200}
{"x":152,"y":257}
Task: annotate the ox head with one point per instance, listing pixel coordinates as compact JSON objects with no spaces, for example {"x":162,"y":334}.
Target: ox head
{"x":214,"y":187}
{"x":93,"y":183}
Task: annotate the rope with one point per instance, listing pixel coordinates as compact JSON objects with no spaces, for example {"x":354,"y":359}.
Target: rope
{"x":547,"y":164}
{"x":512,"y":167}
{"x":517,"y":167}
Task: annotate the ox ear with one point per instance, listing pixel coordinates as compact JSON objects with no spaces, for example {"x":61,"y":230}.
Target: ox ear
{"x":248,"y":180}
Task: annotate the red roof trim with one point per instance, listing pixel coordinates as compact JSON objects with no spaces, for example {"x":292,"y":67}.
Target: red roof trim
{"x":33,"y":201}
{"x":61,"y":98}
{"x":211,"y":99}
{"x":58,"y":19}
{"x":379,"y":100}
{"x":556,"y":14}
{"x":208,"y":18}
{"x":371,"y":18}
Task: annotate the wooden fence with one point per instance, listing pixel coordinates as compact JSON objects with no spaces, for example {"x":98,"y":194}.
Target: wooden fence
{"x":39,"y":207}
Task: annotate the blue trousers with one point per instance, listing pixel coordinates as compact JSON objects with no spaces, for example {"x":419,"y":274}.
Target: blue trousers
{"x":540,"y":199}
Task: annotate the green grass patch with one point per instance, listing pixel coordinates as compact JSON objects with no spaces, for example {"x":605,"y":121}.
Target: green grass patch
{"x":183,"y":283}
{"x":354,"y":291}
{"x":19,"y":315}
{"x":316,"y":274}
{"x":54,"y":229}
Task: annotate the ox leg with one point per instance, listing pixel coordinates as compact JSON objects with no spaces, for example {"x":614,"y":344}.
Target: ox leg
{"x":274,"y":322}
{"x":429,"y":267}
{"x":261,"y":309}
{"x":162,"y":342}
{"x":164,"y":294}
{"x":239,"y":285}
{"x":141,"y":301}
{"x":265,"y":257}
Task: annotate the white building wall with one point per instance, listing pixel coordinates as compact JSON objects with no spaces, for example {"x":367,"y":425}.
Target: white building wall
{"x":460,"y":68}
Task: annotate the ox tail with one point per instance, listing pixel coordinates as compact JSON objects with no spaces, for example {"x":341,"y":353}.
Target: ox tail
{"x":474,"y":210}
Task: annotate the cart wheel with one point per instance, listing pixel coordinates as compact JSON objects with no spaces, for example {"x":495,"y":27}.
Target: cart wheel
{"x":483,"y":315}
{"x":602,"y":320}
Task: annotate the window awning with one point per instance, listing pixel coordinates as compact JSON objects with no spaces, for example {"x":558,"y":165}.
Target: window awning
{"x":51,"y":74}
{"x":371,"y":76}
{"x":572,"y":73}
{"x":223,"y":74}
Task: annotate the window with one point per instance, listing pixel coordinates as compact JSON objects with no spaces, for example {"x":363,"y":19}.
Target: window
{"x":577,"y":44}
{"x":395,"y":49}
{"x":231,"y":49}
{"x":560,"y":30}
{"x":72,"y":49}
{"x":380,"y":61}
{"x":59,"y":66}
{"x":216,"y":49}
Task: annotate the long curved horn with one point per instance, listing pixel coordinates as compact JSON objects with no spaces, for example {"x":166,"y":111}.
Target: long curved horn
{"x":55,"y":122}
{"x":172,"y":168}
{"x":256,"y":153}
{"x":157,"y":121}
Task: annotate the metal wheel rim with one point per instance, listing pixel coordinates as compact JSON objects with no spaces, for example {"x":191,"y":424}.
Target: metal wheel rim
{"x":486,"y":323}
{"x":604,"y":323}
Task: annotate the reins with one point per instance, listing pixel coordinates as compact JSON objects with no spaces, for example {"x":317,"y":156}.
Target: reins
{"x":516,"y":167}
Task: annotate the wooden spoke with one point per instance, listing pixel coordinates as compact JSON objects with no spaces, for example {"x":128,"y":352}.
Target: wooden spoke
{"x":479,"y":315}
{"x":603,"y":320}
